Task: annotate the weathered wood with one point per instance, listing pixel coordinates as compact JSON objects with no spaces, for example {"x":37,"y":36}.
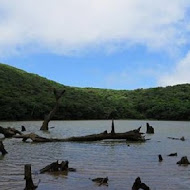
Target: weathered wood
{"x":184,"y":161}
{"x":9,"y":132}
{"x":28,"y":177}
{"x":2,"y":148}
{"x":56,"y":167}
{"x":48,"y":117}
{"x":133,"y":135}
{"x":149,"y":129}
{"x":139,"y":185}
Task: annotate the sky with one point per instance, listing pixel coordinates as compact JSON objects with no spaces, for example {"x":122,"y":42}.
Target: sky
{"x":115,"y":44}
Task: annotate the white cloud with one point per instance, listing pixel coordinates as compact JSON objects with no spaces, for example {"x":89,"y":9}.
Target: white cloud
{"x":180,"y":74}
{"x":66,"y":26}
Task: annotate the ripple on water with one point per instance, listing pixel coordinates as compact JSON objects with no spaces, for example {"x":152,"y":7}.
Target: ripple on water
{"x":115,"y":159}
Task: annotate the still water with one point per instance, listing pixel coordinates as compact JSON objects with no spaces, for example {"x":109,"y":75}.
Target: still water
{"x":115,"y":159}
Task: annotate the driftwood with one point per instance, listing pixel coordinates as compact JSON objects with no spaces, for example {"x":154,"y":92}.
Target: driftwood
{"x":173,"y":154}
{"x":139,"y":185}
{"x":183,"y":161}
{"x":55,"y":167}
{"x":48,"y":117}
{"x":9,"y":132}
{"x":149,"y":129}
{"x":101,"y":181}
{"x":173,"y":138}
{"x":28,"y":177}
{"x":2,"y":148}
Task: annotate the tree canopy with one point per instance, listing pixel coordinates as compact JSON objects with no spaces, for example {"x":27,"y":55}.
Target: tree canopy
{"x":26,"y":96}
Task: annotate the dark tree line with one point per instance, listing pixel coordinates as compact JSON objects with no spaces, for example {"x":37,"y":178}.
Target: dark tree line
{"x":25,"y":96}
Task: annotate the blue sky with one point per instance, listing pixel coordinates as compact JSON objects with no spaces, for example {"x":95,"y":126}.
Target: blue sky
{"x":123,"y":44}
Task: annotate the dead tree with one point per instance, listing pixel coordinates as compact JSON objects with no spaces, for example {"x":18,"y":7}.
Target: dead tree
{"x":2,"y":148}
{"x":28,"y":177}
{"x":9,"y":132}
{"x":133,"y":135}
{"x":48,"y":117}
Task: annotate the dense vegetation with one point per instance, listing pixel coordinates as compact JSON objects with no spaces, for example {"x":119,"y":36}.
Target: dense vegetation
{"x":25,"y":96}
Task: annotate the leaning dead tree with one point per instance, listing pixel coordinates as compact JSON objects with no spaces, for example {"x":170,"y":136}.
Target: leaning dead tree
{"x":48,"y":117}
{"x":133,"y":135}
{"x":9,"y":132}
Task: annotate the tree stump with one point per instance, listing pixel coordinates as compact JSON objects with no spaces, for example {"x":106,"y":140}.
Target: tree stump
{"x":112,"y":127}
{"x":160,"y":158}
{"x":183,"y":161}
{"x":2,"y":148}
{"x":149,"y":129}
{"x":28,"y":177}
{"x":139,"y":185}
{"x":23,"y":128}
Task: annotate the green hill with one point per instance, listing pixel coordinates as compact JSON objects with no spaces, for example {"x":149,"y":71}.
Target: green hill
{"x":25,"y":96}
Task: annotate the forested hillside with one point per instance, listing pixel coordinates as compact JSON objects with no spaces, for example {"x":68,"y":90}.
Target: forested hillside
{"x":25,"y":96}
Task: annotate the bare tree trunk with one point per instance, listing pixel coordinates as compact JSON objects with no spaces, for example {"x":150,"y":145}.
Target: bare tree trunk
{"x":48,"y":117}
{"x":28,"y":177}
{"x":112,"y":127}
{"x":2,"y":149}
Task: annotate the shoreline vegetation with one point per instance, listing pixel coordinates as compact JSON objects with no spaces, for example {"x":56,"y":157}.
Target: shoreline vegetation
{"x":28,"y":97}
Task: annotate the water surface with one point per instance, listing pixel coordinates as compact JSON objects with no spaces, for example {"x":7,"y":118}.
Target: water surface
{"x":115,"y":159}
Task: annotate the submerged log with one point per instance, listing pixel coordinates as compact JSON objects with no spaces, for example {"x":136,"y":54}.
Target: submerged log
{"x":28,"y":177}
{"x":9,"y":132}
{"x":173,"y":154}
{"x":183,"y":161}
{"x":48,"y":117}
{"x":55,"y":167}
{"x":2,"y":148}
{"x":101,"y":181}
{"x":139,"y":185}
{"x":173,"y":138}
{"x":149,"y":129}
{"x":133,"y":135}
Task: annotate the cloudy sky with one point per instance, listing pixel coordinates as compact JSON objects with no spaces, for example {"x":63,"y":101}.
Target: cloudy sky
{"x":118,"y":44}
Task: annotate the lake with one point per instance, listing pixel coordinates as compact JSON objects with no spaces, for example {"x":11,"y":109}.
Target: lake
{"x":122,"y":162}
